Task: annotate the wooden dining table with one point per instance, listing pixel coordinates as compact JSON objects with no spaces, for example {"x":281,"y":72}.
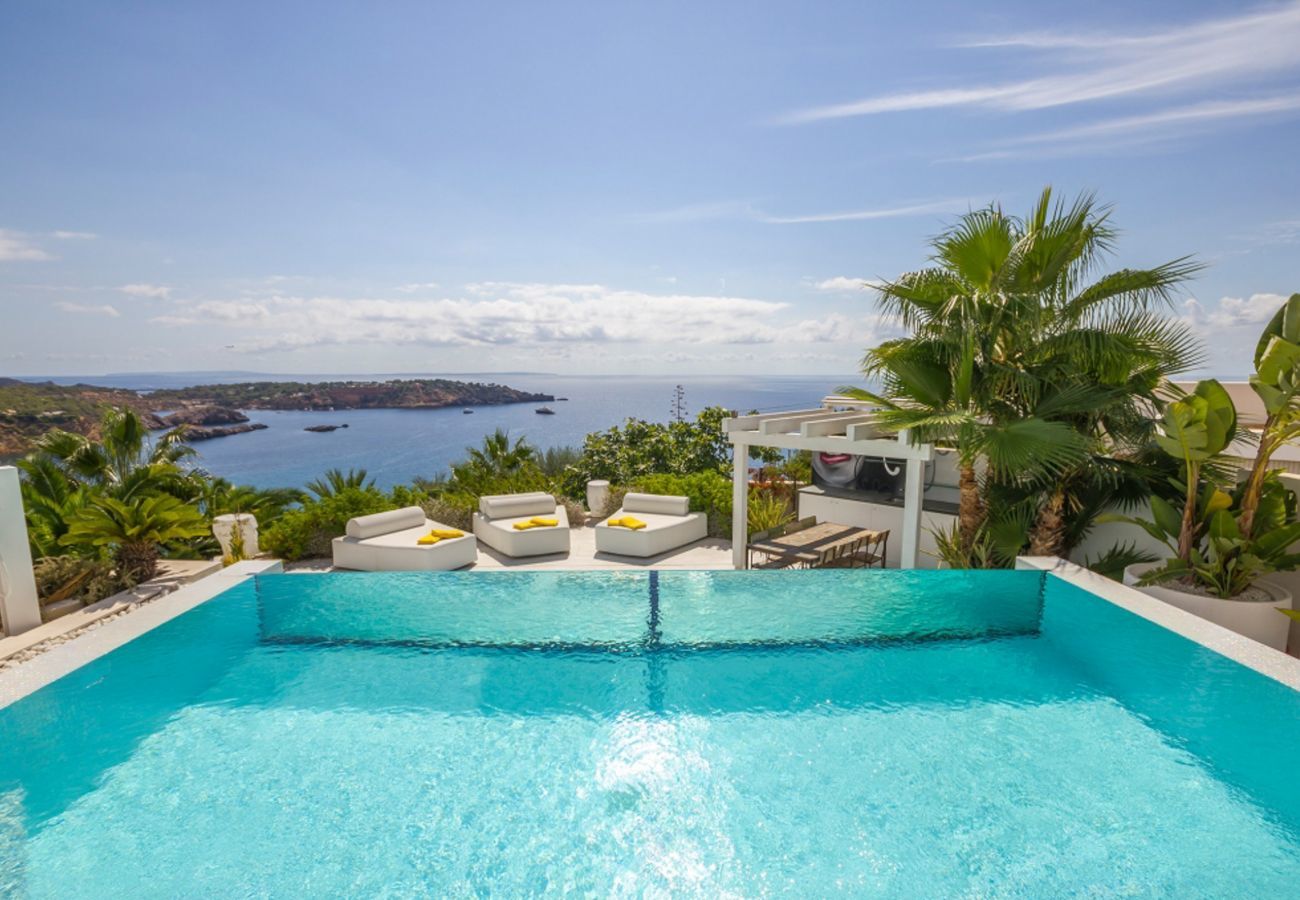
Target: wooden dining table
{"x":812,"y":544}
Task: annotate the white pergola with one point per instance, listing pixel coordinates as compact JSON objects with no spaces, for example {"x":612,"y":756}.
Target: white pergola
{"x":840,"y":425}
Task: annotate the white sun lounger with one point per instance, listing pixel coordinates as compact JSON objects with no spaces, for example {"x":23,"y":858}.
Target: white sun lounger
{"x":386,"y":542}
{"x":669,"y":524}
{"x":494,"y":524}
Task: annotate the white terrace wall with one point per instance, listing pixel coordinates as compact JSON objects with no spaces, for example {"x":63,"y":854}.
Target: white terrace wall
{"x":19,"y":608}
{"x":1105,"y":536}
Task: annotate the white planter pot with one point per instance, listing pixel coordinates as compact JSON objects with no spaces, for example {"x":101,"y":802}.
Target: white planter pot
{"x":223,"y":529}
{"x":1257,"y":620}
{"x":598,"y":496}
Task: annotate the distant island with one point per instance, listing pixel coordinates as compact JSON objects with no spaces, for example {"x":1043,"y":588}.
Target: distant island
{"x":428,"y":393}
{"x":30,"y":409}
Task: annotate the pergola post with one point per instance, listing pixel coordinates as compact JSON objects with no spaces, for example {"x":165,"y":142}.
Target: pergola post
{"x":740,"y":505}
{"x":913,"y":488}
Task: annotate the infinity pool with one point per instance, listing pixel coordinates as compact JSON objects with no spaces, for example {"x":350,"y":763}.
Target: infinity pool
{"x":687,"y":733}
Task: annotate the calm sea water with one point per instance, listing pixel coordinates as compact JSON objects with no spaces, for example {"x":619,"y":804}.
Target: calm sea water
{"x":396,"y":445}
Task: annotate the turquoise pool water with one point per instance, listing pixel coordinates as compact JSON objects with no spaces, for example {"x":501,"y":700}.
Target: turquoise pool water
{"x":702,"y":734}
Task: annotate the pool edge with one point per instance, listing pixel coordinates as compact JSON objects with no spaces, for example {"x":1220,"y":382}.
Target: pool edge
{"x":18,"y":681}
{"x":1253,"y":655}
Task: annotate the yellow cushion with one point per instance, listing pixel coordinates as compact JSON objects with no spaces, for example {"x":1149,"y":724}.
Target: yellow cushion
{"x":544,"y":521}
{"x":429,"y":539}
{"x":631,"y":522}
{"x":447,"y":532}
{"x":614,"y":522}
{"x":524,"y":526}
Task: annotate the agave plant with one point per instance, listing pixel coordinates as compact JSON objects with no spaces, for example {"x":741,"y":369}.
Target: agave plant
{"x":134,"y":529}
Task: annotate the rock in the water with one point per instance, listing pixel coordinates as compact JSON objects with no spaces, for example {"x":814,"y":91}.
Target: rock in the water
{"x":201,"y":433}
{"x":321,"y":429}
{"x":205,"y":415}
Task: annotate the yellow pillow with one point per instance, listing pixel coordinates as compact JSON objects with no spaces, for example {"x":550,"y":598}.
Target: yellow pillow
{"x":544,"y":521}
{"x":524,"y":526}
{"x":447,"y":532}
{"x":613,"y":523}
{"x":631,"y":522}
{"x":429,"y":539}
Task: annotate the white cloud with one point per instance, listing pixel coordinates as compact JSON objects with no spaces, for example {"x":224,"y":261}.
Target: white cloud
{"x":218,"y":312}
{"x":1198,"y":113}
{"x":74,"y":235}
{"x":844,"y":284}
{"x":862,"y":215}
{"x":1215,"y":53}
{"x":417,"y":287}
{"x":511,"y":313}
{"x":17,"y":247}
{"x":1232,"y":312}
{"x":83,"y":309}
{"x":152,"y":291}
{"x":698,"y":212}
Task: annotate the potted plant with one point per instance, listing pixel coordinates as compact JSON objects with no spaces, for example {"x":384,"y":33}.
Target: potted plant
{"x":1228,"y":535}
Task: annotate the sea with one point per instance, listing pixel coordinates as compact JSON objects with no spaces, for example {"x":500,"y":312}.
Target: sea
{"x":397,"y":445}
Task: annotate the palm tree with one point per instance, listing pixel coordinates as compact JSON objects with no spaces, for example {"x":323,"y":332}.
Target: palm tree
{"x":336,"y":481}
{"x":51,"y":499}
{"x":1027,"y":359}
{"x":124,"y":461}
{"x":498,"y":456}
{"x":931,"y":393}
{"x":135,"y":528}
{"x":498,"y":466}
{"x":216,"y":496}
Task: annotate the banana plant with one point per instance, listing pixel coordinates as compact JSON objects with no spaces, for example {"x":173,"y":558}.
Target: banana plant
{"x":1195,"y":429}
{"x":1228,"y":561}
{"x":1277,"y":383}
{"x":1216,"y":543}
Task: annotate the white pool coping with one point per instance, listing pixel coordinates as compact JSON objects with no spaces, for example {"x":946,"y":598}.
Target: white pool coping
{"x":31,"y":675}
{"x":27,"y":677}
{"x":1265,"y":660}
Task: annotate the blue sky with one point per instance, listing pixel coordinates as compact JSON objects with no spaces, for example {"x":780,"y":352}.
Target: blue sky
{"x":603,"y":187}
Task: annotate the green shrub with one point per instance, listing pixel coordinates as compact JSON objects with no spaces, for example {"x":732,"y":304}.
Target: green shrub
{"x":709,"y":493}
{"x":577,"y":512}
{"x":408,"y":495}
{"x":555,"y":460}
{"x":446,"y":510}
{"x":307,"y":532}
{"x":87,"y":579}
{"x":768,"y":509}
{"x":627,"y":453}
{"x":798,"y":468}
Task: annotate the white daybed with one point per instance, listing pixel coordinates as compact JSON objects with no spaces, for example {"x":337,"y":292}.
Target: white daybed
{"x":669,"y":524}
{"x":387,"y":542}
{"x":494,"y":524}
